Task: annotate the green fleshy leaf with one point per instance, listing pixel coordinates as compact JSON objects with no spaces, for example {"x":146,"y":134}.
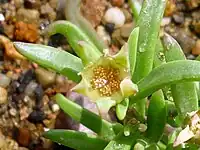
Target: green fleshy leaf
{"x":135,"y":8}
{"x":122,"y":108}
{"x":74,"y":36}
{"x":149,"y":24}
{"x":86,"y":56}
{"x":132,"y":48}
{"x":92,"y":121}
{"x":76,"y":140}
{"x":49,"y":57}
{"x":157,"y":116}
{"x":184,"y":94}
{"x":167,"y":74}
{"x":73,"y":14}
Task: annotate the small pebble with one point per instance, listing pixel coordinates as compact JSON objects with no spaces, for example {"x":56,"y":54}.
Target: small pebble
{"x":117,"y":3}
{"x":23,"y":148}
{"x":13,"y":112}
{"x":178,"y":18}
{"x":110,"y":27}
{"x":2,"y":18}
{"x":4,"y":80}
{"x":47,"y":10}
{"x":23,"y":113}
{"x":3,"y":95}
{"x":1,"y":54}
{"x":23,"y":136}
{"x":39,"y":94}
{"x":192,"y":4}
{"x":104,"y":35}
{"x":32,"y":4}
{"x":3,"y":1}
{"x":28,"y":15}
{"x":127,"y":14}
{"x":55,"y":107}
{"x":116,"y":16}
{"x":185,"y":40}
{"x":196,"y":27}
{"x":116,"y":37}
{"x":18,"y":3}
{"x":126,"y":30}
{"x":170,"y":8}
{"x":45,"y":77}
{"x":26,"y":32}
{"x":10,"y":144}
{"x":27,"y":76}
{"x":26,"y":99}
{"x":37,"y":116}
{"x":2,"y":140}
{"x":165,"y":21}
{"x":53,"y":3}
{"x":191,"y":57}
{"x":30,"y":88}
{"x":196,"y":48}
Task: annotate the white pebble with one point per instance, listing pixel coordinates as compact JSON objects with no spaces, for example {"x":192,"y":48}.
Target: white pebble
{"x":13,"y":112}
{"x":55,"y":107}
{"x":116,"y":16}
{"x":104,"y":35}
{"x":2,"y":18}
{"x":165,"y":21}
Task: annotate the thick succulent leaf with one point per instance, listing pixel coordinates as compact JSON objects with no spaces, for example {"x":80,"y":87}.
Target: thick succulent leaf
{"x":184,"y":94}
{"x":132,"y":48}
{"x":73,"y":14}
{"x":76,"y":140}
{"x":157,"y":116}
{"x":49,"y":57}
{"x":102,"y":127}
{"x":74,"y":36}
{"x":167,"y":74}
{"x":135,"y":8}
{"x":122,"y":142}
{"x":149,"y":24}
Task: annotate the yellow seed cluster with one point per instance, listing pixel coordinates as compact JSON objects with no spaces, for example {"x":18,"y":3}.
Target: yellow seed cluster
{"x":106,"y":80}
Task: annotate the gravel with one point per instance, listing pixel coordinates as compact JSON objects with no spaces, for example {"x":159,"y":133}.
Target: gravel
{"x":116,"y":16}
{"x":4,"y":80}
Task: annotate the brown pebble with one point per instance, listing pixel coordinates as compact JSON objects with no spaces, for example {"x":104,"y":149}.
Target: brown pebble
{"x":196,"y":26}
{"x":23,"y":137}
{"x":3,"y":95}
{"x":170,"y":8}
{"x":117,"y":3}
{"x":32,"y":4}
{"x":196,"y":48}
{"x":26,"y":32}
{"x":10,"y":50}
